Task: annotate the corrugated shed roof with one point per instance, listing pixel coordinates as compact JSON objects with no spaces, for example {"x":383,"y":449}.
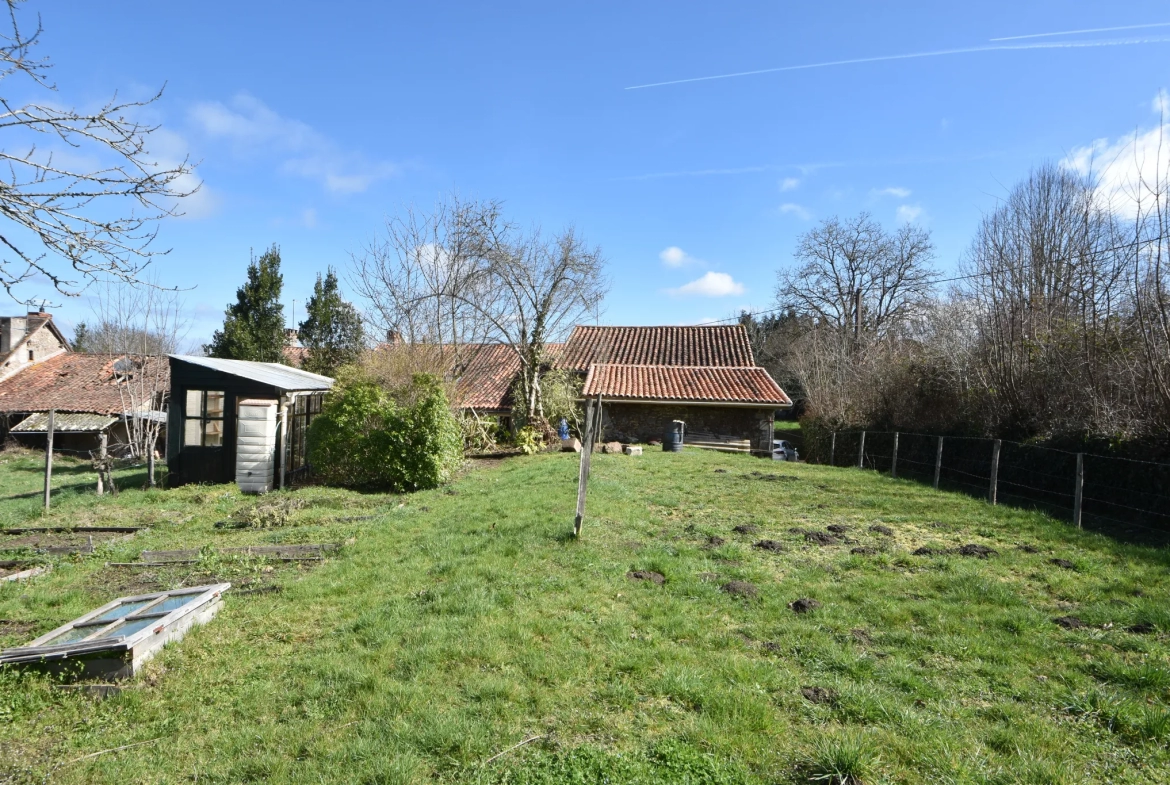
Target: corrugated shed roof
{"x":684,"y":384}
{"x":65,"y":422}
{"x":723,"y":346}
{"x":73,"y":382}
{"x":282,"y":377}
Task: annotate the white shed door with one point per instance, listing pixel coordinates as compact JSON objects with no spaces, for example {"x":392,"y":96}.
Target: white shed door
{"x":255,"y":445}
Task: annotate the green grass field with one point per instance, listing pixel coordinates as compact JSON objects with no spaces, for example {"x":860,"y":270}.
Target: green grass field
{"x":454,"y":624}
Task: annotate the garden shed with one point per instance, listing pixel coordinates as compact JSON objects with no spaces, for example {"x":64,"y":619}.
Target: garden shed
{"x":239,"y":420}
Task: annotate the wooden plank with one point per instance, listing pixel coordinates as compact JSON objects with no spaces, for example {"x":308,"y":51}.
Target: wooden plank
{"x":75,"y":529}
{"x":26,"y":574}
{"x":286,"y":552}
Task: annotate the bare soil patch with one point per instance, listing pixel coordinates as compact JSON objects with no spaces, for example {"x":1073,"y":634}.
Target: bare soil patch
{"x":746,"y":528}
{"x":978,"y":551}
{"x":803,"y":605}
{"x":1069,"y":622}
{"x":1027,"y":548}
{"x":861,"y":636}
{"x":819,"y":694}
{"x":877,"y":528}
{"x":714,"y":541}
{"x":772,"y":477}
{"x":770,"y":545}
{"x":927,"y":551}
{"x":740,"y":589}
{"x":820,"y":538}
{"x":839,"y":528}
{"x":1142,"y":628}
{"x":1063,"y":563}
{"x":863,"y":551}
{"x":656,"y":578}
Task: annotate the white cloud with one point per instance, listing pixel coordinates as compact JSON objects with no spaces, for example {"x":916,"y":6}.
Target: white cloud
{"x":677,"y":257}
{"x":909,"y":213}
{"x":712,"y":284}
{"x":789,"y":183}
{"x":791,"y":208}
{"x":254,"y":129}
{"x":896,"y":192}
{"x":1121,"y":165}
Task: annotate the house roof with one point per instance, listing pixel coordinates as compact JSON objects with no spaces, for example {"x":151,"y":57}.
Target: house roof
{"x":65,"y":422}
{"x":722,"y":346}
{"x":282,"y":377}
{"x":71,"y":382}
{"x":742,"y":385}
{"x":485,"y":381}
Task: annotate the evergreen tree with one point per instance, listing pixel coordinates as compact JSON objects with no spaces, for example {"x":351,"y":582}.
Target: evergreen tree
{"x":332,"y":330}
{"x":81,"y":338}
{"x":253,"y":328}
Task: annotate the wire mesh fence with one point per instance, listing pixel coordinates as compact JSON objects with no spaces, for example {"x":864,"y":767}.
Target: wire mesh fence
{"x":1118,"y":495}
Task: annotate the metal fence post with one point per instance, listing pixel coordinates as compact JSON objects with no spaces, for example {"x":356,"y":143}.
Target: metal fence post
{"x":993,"y":491}
{"x":938,"y":462}
{"x":1080,"y":487}
{"x":49,"y":457}
{"x":894,"y":460}
{"x":861,"y":452}
{"x":833,"y":450}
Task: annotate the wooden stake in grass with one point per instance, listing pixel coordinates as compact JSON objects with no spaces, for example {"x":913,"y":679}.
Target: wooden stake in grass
{"x":49,"y":457}
{"x":103,"y":442}
{"x":583,"y":469}
{"x":1079,"y":488}
{"x":861,"y":452}
{"x":833,"y":450}
{"x":993,"y":490}
{"x":894,"y":460}
{"x":938,"y":462}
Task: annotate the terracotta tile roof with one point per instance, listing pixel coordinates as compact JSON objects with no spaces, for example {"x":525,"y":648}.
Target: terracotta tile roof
{"x":485,"y":382}
{"x":724,"y":346}
{"x":295,"y":355}
{"x":69,"y":382}
{"x":684,"y":383}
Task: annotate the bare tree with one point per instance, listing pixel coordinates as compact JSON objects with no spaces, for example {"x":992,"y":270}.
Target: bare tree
{"x":138,"y":327}
{"x":463,"y":274}
{"x":55,"y":211}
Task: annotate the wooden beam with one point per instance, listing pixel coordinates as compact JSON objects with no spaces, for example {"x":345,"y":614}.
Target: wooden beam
{"x":993,"y":489}
{"x":583,"y":467}
{"x":49,"y":457}
{"x":938,"y":462}
{"x":894,"y":460}
{"x":1080,"y":486}
{"x":861,"y":452}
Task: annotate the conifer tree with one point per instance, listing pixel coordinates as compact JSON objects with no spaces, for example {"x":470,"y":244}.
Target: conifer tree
{"x":253,"y":328}
{"x":332,"y":330}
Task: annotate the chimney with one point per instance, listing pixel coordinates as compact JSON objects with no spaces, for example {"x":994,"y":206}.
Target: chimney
{"x":393,"y":337}
{"x":12,"y":331}
{"x":291,"y":339}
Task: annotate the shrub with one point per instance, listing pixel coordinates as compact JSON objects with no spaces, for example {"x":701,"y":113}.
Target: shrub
{"x":366,"y":437}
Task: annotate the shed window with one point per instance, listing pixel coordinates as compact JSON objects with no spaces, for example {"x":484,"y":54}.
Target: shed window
{"x":203,"y":426}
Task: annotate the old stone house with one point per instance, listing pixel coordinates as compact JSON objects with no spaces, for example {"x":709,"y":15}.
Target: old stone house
{"x":28,"y":340}
{"x":705,"y":376}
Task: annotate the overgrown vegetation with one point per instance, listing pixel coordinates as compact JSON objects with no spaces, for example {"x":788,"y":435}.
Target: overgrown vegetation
{"x":462,"y":621}
{"x":366,"y":437}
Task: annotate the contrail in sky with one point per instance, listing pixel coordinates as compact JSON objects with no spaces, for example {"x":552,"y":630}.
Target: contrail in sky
{"x":1078,"y":32}
{"x":913,"y":56}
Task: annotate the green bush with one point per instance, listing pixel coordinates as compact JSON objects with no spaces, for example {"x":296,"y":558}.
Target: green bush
{"x":366,"y":437}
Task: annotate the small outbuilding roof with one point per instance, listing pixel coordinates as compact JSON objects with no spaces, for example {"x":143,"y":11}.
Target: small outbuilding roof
{"x":723,"y":346}
{"x":74,"y":382}
{"x":283,"y":377}
{"x":65,"y":422}
{"x":685,"y":384}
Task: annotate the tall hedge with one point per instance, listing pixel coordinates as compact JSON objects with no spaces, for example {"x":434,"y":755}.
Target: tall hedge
{"x":367,"y":438}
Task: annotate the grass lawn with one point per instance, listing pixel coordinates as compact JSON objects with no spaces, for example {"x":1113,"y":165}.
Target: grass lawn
{"x":456,"y":623}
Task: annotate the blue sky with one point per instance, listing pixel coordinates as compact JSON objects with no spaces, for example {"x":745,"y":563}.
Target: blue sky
{"x":312,"y":121}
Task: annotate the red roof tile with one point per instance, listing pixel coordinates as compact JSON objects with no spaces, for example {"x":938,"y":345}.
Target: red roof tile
{"x":70,"y":382}
{"x":724,"y":346}
{"x":684,"y":383}
{"x":485,"y":381}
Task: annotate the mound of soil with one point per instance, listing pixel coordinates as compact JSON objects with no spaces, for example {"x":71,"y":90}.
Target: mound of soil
{"x":863,"y":551}
{"x":1142,"y":628}
{"x":803,"y":605}
{"x":1026,"y":548}
{"x":877,"y":528}
{"x":656,"y":578}
{"x":1069,"y":622}
{"x":1063,"y":563}
{"x":721,"y":471}
{"x":715,"y":542}
{"x":925,"y":551}
{"x":978,"y":551}
{"x":740,"y":589}
{"x":770,"y":545}
{"x":821,"y":538}
{"x":861,"y":636}
{"x":839,"y":528}
{"x":773,"y":648}
{"x":798,"y":530}
{"x":746,"y":528}
{"x":819,"y":694}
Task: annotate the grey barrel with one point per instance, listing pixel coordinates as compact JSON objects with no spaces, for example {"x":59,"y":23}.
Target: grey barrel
{"x":672,"y":440}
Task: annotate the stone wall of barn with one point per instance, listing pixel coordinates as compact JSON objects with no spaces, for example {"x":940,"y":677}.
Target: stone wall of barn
{"x":639,"y":422}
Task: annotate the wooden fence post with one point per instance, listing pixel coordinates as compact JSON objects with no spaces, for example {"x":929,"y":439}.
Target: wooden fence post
{"x":894,"y":460}
{"x":1079,"y":488}
{"x":150,"y":466}
{"x":938,"y":462}
{"x":861,"y":452}
{"x":103,"y":441}
{"x":49,"y":457}
{"x":583,"y":469}
{"x":993,"y":491}
{"x":833,"y":450}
